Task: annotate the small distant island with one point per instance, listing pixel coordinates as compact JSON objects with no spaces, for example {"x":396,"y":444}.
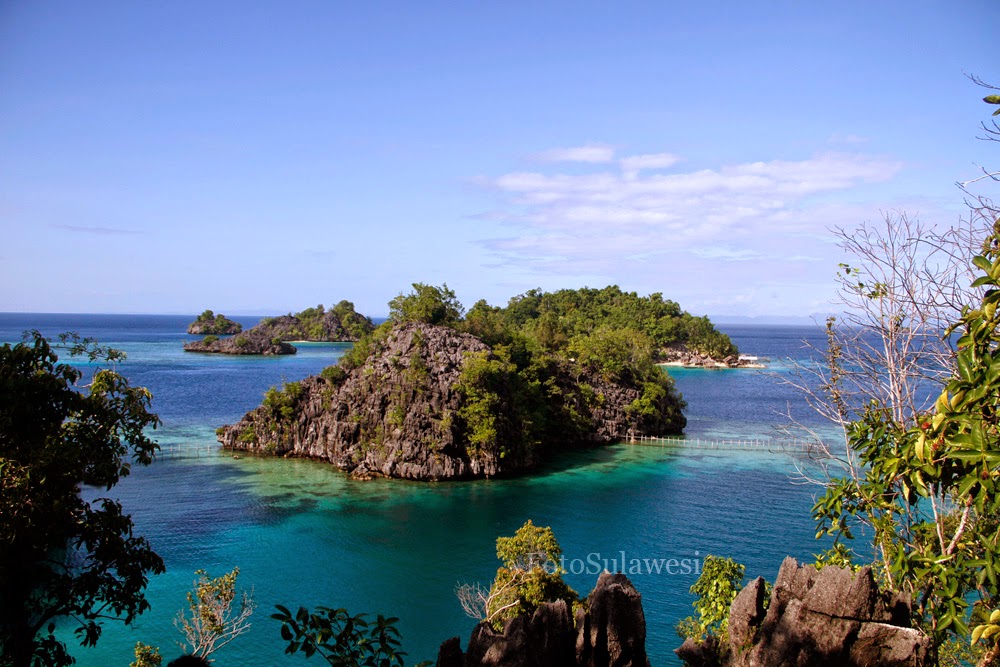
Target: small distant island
{"x":209,"y":323}
{"x":272,"y":335}
{"x":436,"y":393}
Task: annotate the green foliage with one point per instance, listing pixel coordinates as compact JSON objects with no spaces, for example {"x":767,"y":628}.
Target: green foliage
{"x":354,"y":323}
{"x":282,"y":402}
{"x":241,"y":341}
{"x":993,"y":99}
{"x":64,"y":557}
{"x":341,"y":322}
{"x":531,"y":546}
{"x":428,"y":304}
{"x":214,"y":324}
{"x":361,"y":350}
{"x":530,"y":575}
{"x":334,"y":374}
{"x":217,"y":614}
{"x":839,"y":555}
{"x":616,"y":354}
{"x":145,"y":655}
{"x":649,"y":403}
{"x":716,"y":588}
{"x":557,"y":318}
{"x":988,"y":630}
{"x":341,"y":639}
{"x":211,"y":338}
{"x":930,"y":491}
{"x":482,"y":382}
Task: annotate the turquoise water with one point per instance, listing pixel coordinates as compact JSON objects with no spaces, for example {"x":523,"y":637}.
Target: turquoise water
{"x":303,"y":533}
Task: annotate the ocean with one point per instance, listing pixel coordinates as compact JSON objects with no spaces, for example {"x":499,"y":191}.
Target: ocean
{"x":303,"y":534}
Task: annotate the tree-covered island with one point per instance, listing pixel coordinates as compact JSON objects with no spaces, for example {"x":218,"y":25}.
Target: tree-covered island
{"x":217,"y":324}
{"x":272,"y":335}
{"x":439,"y":393}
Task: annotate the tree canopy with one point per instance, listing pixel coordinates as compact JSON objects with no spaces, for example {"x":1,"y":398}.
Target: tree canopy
{"x":62,"y":556}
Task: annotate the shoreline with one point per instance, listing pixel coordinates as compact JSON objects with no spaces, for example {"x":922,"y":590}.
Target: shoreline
{"x":718,"y":365}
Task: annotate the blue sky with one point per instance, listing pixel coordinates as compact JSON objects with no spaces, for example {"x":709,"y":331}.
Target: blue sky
{"x":258,"y":158}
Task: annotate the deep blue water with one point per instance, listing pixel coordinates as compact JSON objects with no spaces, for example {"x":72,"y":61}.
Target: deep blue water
{"x":302,"y":533}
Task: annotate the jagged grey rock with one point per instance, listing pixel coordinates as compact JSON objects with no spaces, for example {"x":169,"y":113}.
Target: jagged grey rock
{"x":611,"y":632}
{"x":398,"y":414}
{"x":817,"y":618}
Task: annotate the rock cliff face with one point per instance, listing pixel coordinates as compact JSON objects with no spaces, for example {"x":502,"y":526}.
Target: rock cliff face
{"x":831,"y":617}
{"x":610,"y":631}
{"x":401,"y":413}
{"x":251,"y":341}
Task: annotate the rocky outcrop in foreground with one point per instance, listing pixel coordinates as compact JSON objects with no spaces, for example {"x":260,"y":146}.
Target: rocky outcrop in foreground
{"x":251,"y":341}
{"x":609,"y":630}
{"x":816,"y":618}
{"x":402,"y":413}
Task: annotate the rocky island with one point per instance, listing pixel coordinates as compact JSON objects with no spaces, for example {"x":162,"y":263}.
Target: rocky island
{"x":251,"y":341}
{"x":433,"y":395}
{"x":209,"y":323}
{"x":339,"y":324}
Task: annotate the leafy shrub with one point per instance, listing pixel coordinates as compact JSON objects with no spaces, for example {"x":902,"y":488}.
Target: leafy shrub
{"x":721,"y":579}
{"x":427,"y":303}
{"x":341,"y":639}
{"x":530,"y":575}
{"x":334,"y":374}
{"x":282,"y":402}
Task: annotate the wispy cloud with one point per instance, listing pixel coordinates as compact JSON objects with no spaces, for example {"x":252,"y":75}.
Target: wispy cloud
{"x":591,"y":153}
{"x":632,"y":165}
{"x":97,"y":231}
{"x":575,"y":223}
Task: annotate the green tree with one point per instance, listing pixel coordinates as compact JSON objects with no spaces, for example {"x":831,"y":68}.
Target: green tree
{"x":529,"y":577}
{"x":146,"y":656}
{"x":217,"y":614}
{"x":427,"y":303}
{"x":63,"y":557}
{"x":929,"y":488}
{"x":716,"y":588}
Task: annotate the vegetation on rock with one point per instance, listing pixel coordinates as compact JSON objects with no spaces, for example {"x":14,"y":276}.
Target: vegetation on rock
{"x":529,"y":577}
{"x":251,"y":341}
{"x":340,"y":323}
{"x":212,"y":323}
{"x":432,"y":395}
{"x":716,"y":588}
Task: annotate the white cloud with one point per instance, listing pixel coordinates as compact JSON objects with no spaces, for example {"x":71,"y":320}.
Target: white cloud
{"x":591,"y":153}
{"x":632,"y":165}
{"x":721,"y":228}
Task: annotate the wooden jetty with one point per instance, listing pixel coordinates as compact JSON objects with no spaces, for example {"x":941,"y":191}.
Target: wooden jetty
{"x":187,"y":451}
{"x":797,"y":447}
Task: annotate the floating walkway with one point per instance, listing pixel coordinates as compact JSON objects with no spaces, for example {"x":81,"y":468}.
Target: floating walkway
{"x":186,"y":451}
{"x":796,"y":447}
